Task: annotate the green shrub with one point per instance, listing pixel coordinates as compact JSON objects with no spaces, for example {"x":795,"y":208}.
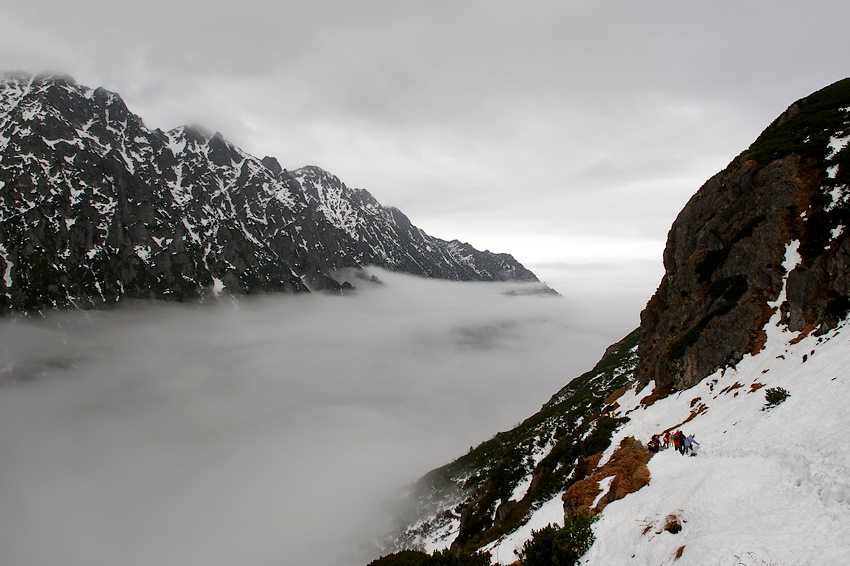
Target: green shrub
{"x":403,"y":558}
{"x":448,"y":558}
{"x":807,"y":131}
{"x":439,"y":558}
{"x":600,"y":438}
{"x":553,"y":545}
{"x":774,"y":396}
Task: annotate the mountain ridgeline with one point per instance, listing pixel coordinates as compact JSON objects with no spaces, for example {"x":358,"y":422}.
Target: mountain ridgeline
{"x":96,"y":208}
{"x":727,"y":273}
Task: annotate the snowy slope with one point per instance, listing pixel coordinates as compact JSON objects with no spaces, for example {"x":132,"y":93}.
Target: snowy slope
{"x":766,"y":486}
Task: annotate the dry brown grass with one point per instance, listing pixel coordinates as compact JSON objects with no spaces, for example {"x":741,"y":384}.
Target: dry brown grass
{"x":592,"y":462}
{"x":694,"y":413}
{"x":581,"y":494}
{"x":758,"y":341}
{"x":755,"y":387}
{"x":758,"y":337}
{"x":679,"y":552}
{"x":656,"y":395}
{"x":736,"y":385}
{"x":616,"y":395}
{"x":627,"y":465}
{"x":808,"y":327}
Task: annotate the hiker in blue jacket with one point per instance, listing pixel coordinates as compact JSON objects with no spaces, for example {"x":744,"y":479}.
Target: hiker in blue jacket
{"x":689,"y":444}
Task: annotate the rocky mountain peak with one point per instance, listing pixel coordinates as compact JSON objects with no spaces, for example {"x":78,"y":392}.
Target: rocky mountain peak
{"x":272,"y":165}
{"x":726,"y":249}
{"x":96,"y":208}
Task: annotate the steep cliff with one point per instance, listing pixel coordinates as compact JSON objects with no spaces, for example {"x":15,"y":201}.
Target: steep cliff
{"x":725,"y":249}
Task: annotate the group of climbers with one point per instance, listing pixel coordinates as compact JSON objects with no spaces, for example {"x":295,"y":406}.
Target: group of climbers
{"x":683,"y":444}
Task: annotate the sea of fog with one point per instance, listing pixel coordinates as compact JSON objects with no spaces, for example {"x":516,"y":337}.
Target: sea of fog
{"x":269,"y":431}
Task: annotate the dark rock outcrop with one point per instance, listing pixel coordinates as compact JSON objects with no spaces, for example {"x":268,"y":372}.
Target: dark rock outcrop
{"x":95,"y":208}
{"x":726,"y":249}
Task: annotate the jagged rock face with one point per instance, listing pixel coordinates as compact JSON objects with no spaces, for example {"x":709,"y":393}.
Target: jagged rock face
{"x":725,"y":250}
{"x":375,"y":235}
{"x":95,"y":207}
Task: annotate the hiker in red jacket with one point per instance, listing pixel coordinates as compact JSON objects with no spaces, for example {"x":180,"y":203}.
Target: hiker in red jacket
{"x":679,"y":439}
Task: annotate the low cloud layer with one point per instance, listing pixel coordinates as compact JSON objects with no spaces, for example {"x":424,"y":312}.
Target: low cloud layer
{"x":268,"y":432}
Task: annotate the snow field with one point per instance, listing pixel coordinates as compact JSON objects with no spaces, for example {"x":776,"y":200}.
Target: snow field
{"x":768,"y":487}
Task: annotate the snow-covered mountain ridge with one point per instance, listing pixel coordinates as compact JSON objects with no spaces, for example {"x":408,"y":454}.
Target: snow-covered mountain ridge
{"x":755,"y":300}
{"x":95,"y":207}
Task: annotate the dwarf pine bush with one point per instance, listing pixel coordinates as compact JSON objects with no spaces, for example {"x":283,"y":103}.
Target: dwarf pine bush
{"x":773,"y":396}
{"x":559,"y":545}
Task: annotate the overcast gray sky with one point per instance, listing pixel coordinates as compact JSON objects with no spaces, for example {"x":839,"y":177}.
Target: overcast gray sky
{"x":568,"y":133}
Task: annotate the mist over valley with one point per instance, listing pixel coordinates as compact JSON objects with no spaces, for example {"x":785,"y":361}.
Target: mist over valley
{"x":249,"y":431}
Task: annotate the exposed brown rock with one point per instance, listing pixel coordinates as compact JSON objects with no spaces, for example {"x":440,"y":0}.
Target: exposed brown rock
{"x":673,"y":523}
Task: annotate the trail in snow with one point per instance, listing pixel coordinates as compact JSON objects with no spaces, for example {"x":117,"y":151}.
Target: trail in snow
{"x":768,"y":487}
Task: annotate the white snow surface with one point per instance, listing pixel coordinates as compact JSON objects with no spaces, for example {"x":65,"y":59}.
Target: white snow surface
{"x":218,"y":286}
{"x":837,"y":144}
{"x":604,"y":486}
{"x":443,"y":537}
{"x":768,"y":486}
{"x":7,"y":270}
{"x":504,"y":550}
